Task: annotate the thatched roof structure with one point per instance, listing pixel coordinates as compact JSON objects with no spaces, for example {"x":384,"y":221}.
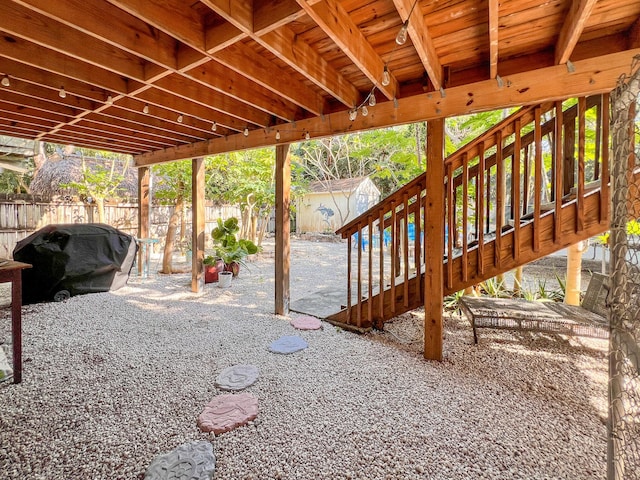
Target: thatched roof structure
{"x":61,"y":169}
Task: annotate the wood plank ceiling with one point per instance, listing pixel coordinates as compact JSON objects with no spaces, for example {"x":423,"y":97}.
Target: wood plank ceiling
{"x":169,"y":79}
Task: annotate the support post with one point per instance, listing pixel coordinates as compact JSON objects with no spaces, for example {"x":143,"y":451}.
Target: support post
{"x":574,"y":274}
{"x":283,"y":237}
{"x":144,"y":210}
{"x":434,"y":212}
{"x":197,"y":224}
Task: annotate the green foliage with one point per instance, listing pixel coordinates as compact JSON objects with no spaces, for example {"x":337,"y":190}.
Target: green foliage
{"x":14,"y":182}
{"x":227,"y":246}
{"x":99,"y":181}
{"x":493,"y":288}
{"x":451,"y":301}
{"x":172,"y":181}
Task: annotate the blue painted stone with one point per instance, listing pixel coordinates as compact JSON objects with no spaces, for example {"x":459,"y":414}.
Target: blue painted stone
{"x":288,"y":344}
{"x":191,"y":461}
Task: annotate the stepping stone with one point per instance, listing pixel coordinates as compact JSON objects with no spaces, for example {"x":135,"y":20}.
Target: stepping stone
{"x":191,"y":461}
{"x":237,"y":377}
{"x":226,"y":412}
{"x":305,"y":322}
{"x":288,"y":344}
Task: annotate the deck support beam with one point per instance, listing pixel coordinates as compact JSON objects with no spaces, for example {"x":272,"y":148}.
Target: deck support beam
{"x":283,"y":237}
{"x":434,"y":211}
{"x":144,"y":209}
{"x":197,"y":224}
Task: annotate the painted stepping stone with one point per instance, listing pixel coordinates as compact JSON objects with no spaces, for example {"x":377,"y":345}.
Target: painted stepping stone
{"x":237,"y":377}
{"x":305,"y":322}
{"x":191,"y":461}
{"x":288,"y":344}
{"x":226,"y":412}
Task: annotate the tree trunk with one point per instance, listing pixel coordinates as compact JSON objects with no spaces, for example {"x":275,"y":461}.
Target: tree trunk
{"x":100,"y":207}
{"x":574,"y":274}
{"x":167,"y":256}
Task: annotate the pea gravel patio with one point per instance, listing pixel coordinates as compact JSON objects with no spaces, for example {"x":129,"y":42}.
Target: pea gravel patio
{"x":114,"y":379}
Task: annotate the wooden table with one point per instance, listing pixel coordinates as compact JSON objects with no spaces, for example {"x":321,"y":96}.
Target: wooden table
{"x":12,"y":272}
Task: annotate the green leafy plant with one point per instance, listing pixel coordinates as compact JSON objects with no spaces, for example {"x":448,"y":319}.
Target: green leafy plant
{"x":228,"y":247}
{"x":451,"y":301}
{"x":493,"y":288}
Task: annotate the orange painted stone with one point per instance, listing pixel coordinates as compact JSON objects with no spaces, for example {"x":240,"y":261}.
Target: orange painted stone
{"x":305,"y":322}
{"x":226,"y":412}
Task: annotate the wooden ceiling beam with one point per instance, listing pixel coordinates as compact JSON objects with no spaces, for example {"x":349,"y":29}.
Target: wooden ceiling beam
{"x":494,"y":15}
{"x":175,"y":18}
{"x":572,"y":28}
{"x":592,"y":76}
{"x":248,"y":63}
{"x":18,"y":21}
{"x":634,"y":35}
{"x":283,"y":43}
{"x":421,"y":39}
{"x":28,"y":53}
{"x":190,"y":91}
{"x":332,"y":18}
{"x":271,"y":14}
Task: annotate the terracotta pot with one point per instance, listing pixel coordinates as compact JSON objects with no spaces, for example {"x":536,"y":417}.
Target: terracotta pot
{"x":211,"y":271}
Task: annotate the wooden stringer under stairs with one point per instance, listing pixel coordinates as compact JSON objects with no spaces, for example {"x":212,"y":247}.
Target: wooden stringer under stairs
{"x":495,"y":219}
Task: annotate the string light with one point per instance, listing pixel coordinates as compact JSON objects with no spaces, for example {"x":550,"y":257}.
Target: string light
{"x":180,"y":118}
{"x":365,"y":111}
{"x":386,"y":77}
{"x":214,"y":127}
{"x":353,"y":113}
{"x":62,"y":93}
{"x":145,"y":109}
{"x":277,"y":134}
{"x":307,"y":136}
{"x":246,"y":132}
{"x":372,"y":98}
{"x":401,"y":38}
{"x":110,"y":100}
{"x":5,"y":81}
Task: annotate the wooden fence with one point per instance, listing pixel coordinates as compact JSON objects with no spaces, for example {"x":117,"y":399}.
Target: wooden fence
{"x":21,"y":217}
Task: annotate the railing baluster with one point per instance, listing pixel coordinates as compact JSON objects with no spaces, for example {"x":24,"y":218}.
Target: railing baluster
{"x":417,"y":244}
{"x":537,"y":189}
{"x":394,"y":255}
{"x":359,"y":312}
{"x":604,"y":177}
{"x":480,"y":207}
{"x":582,"y":108}
{"x":405,"y":247}
{"x":349,"y":262}
{"x":381,"y":279}
{"x":515,"y":194}
{"x":500,"y":204}
{"x":465,"y":217}
{"x":452,"y":227}
{"x":558,"y":173}
{"x":370,"y":276}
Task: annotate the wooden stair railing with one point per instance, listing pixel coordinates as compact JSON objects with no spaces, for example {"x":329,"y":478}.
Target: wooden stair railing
{"x":495,"y":220}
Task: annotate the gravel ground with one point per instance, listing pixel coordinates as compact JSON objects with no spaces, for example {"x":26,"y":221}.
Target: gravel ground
{"x":111,"y":380}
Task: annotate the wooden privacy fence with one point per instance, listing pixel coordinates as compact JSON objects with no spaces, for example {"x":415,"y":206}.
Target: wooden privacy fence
{"x":20,"y":218}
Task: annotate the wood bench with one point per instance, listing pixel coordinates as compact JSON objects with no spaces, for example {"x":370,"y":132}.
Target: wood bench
{"x":588,"y":320}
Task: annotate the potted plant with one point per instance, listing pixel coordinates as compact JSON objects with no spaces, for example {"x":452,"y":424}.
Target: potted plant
{"x":212,"y":268}
{"x":228,"y":248}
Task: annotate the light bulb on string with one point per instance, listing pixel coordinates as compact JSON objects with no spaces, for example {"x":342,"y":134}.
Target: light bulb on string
{"x":307,"y":136}
{"x":372,"y":99}
{"x":277,"y":134}
{"x":386,"y":77}
{"x":5,"y":81}
{"x":180,"y":118}
{"x":365,"y":111}
{"x":353,"y":113}
{"x":62,"y":93}
{"x":109,"y":100}
{"x":401,"y":37}
{"x":145,"y":109}
{"x":214,"y":127}
{"x":246,"y":132}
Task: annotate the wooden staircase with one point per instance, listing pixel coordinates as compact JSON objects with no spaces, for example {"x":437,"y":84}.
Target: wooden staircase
{"x":526,"y":188}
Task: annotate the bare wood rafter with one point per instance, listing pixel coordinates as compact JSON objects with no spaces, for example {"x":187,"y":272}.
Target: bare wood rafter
{"x":494,"y":11}
{"x":572,"y":28}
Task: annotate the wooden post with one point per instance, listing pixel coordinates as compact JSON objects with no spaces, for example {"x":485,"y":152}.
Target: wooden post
{"x":434,"y":240}
{"x":283,"y":248}
{"x":197,"y":224}
{"x":144,"y":210}
{"x":574,"y":274}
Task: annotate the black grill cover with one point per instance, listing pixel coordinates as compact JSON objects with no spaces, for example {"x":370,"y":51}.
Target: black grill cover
{"x":79,"y":258}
